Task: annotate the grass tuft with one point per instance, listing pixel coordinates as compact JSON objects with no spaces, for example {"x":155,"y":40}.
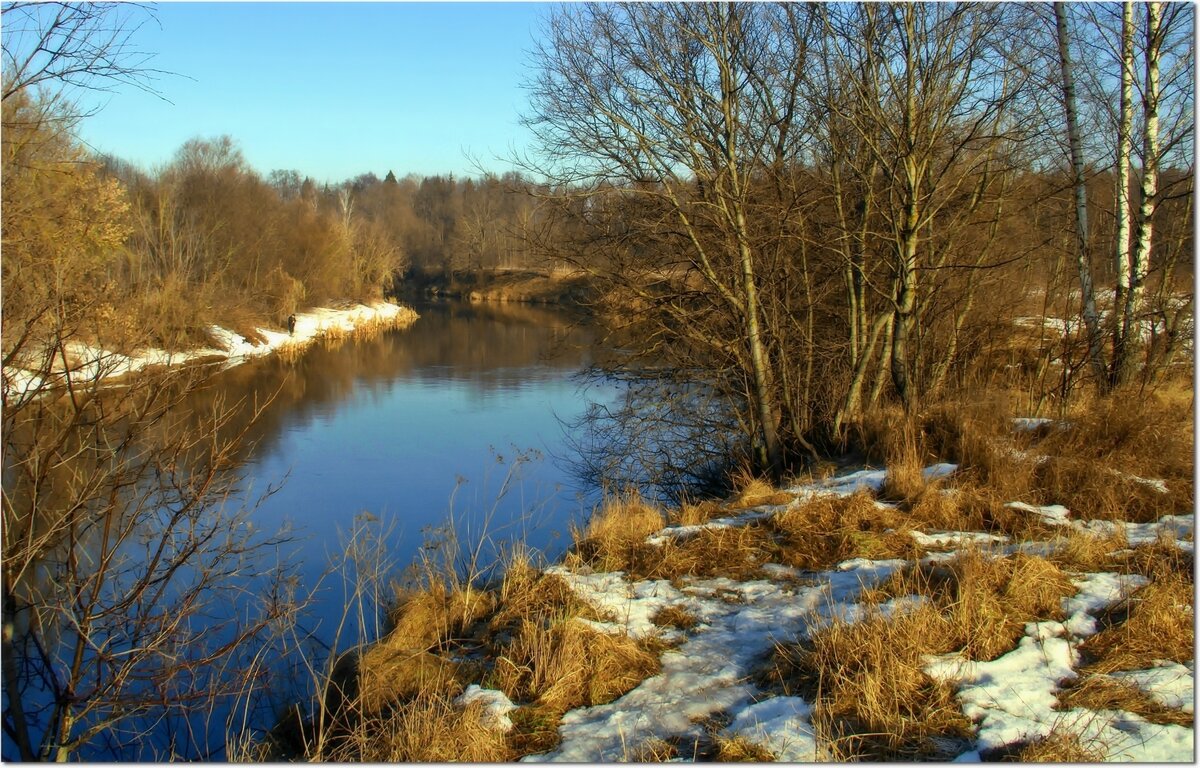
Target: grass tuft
{"x":1100,"y":692}
{"x":567,"y":665}
{"x":872,"y":699}
{"x":675,"y":616}
{"x":1154,"y":622}
{"x":1058,"y":747}
{"x":427,"y":618}
{"x":755,"y":492}
{"x":740,"y":749}
{"x":616,"y":530}
{"x":429,"y":728}
{"x":985,"y":600}
{"x":827,"y":530}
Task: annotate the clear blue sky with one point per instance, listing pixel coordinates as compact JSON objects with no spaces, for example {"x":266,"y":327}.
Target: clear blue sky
{"x":329,"y":89}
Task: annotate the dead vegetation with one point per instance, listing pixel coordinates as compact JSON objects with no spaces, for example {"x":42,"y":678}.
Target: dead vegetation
{"x":531,"y":637}
{"x":528,"y":637}
{"x":1060,"y":746}
{"x":1100,"y":692}
{"x":871,"y":698}
{"x":829,"y":529}
{"x":984,"y":599}
{"x":1156,"y":621}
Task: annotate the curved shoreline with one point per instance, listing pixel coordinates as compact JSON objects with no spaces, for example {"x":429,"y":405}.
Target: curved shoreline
{"x":92,"y":364}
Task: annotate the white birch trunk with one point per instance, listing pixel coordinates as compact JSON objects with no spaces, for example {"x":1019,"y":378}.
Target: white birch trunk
{"x":1144,"y":235}
{"x":1091,"y":319}
{"x":1124,"y":205}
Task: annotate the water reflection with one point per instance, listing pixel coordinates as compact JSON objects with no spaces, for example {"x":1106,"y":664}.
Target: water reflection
{"x":401,"y":425}
{"x":407,"y":427}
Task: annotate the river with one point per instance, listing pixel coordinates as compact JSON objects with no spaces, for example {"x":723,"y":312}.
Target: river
{"x":463,"y":413}
{"x":460,"y":417}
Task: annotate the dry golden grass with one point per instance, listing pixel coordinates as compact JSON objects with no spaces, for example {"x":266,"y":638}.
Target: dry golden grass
{"x":428,"y":617}
{"x":1087,"y":552}
{"x":429,"y":728}
{"x":291,"y":352}
{"x":697,"y":514}
{"x":978,"y":436}
{"x":739,"y":749}
{"x":871,"y":698}
{"x":1146,"y":434}
{"x":754,"y":492}
{"x":1093,"y":491}
{"x":616,"y":530}
{"x":905,"y":479}
{"x":653,"y":750}
{"x":548,"y":661}
{"x":736,"y":551}
{"x":985,"y":600}
{"x":938,"y":509}
{"x":388,"y":675}
{"x":879,"y":435}
{"x":989,"y":507}
{"x":826,"y":530}
{"x":535,"y":729}
{"x":1106,"y":441}
{"x":529,"y":595}
{"x":1100,"y":692}
{"x":1059,"y":747}
{"x":1158,"y":561}
{"x":568,"y":664}
{"x":962,"y":431}
{"x":1154,"y":622}
{"x":675,"y":616}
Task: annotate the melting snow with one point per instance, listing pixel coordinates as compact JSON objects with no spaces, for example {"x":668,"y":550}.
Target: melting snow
{"x":86,"y":363}
{"x":496,"y":706}
{"x":1168,"y":683}
{"x":708,"y":673}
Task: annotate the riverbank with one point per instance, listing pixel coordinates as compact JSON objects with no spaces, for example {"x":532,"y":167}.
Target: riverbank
{"x":1030,"y":599}
{"x":78,"y":361}
{"x":566,"y":288}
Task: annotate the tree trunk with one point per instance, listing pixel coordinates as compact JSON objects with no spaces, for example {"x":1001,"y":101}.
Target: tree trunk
{"x":1124,"y":205}
{"x":1091,"y":319}
{"x":1144,"y":236}
{"x":764,"y":396}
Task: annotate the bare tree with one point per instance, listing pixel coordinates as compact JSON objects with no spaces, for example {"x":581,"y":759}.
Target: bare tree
{"x":131,"y":569}
{"x":74,"y":45}
{"x":925,"y":92}
{"x":134,"y":591}
{"x":1091,"y":317}
{"x":1147,"y":51}
{"x":677,"y":110}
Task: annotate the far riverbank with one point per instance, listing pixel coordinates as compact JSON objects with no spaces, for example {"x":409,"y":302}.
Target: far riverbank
{"x":37,"y":372}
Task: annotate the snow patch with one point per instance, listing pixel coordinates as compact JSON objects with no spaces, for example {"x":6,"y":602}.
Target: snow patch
{"x":781,"y":725}
{"x":495,"y":706}
{"x":40,"y":372}
{"x":1169,"y":683}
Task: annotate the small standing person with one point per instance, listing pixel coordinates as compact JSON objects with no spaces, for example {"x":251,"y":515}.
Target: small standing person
{"x":291,"y":325}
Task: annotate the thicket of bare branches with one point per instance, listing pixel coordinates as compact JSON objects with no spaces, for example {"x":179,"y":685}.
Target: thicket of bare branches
{"x":813,"y":209}
{"x":139,"y":604}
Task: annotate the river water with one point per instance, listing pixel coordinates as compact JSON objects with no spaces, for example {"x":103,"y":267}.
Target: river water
{"x":463,"y":415}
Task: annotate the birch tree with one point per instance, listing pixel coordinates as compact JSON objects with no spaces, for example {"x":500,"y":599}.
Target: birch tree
{"x":1091,"y":317}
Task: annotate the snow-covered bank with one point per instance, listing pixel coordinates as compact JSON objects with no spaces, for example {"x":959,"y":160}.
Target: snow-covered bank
{"x":84,"y":363}
{"x":708,"y":673}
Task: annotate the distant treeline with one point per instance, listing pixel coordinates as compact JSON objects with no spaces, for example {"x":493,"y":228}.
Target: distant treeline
{"x":206,"y":238}
{"x":208,"y":224}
